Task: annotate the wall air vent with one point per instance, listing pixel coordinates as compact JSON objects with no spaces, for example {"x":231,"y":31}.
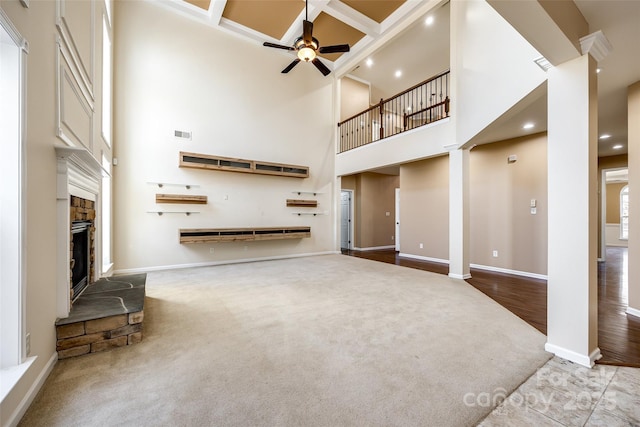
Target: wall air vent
{"x":182,"y":134}
{"x":211,"y":162}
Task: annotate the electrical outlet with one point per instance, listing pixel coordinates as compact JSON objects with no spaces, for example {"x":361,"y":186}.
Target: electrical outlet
{"x":27,"y":343}
{"x":393,"y":237}
{"x":495,"y":254}
{"x":421,"y":246}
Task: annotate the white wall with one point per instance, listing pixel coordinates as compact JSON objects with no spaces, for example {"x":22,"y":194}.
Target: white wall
{"x":486,"y":54}
{"x":37,"y":24}
{"x":176,"y":74}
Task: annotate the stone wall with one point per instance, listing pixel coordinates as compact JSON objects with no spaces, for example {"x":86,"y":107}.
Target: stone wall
{"x":91,"y":336}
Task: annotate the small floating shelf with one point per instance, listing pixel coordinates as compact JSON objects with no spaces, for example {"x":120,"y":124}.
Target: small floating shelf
{"x":169,"y":184}
{"x":302,"y":203}
{"x":160,"y":213}
{"x":299,"y":193}
{"x":181,"y":198}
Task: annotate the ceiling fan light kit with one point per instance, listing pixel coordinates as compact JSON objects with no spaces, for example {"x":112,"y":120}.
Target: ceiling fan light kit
{"x":307,"y":48}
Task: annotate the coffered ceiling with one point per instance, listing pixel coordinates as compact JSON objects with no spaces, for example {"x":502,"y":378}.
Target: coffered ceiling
{"x":360,"y":23}
{"x":390,"y":32}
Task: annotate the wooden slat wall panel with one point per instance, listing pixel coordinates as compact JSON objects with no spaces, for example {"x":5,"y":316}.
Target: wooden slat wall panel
{"x":201,"y":235}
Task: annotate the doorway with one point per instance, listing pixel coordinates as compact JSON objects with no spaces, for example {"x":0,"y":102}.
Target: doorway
{"x":346,"y":219}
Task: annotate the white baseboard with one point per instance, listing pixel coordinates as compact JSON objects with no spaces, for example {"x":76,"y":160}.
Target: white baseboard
{"x":574,"y":357}
{"x":633,"y":311}
{"x":26,"y":401}
{"x":460,"y":276}
{"x":425,"y":258}
{"x":509,"y":271}
{"x":375,"y":248}
{"x":214,"y":263}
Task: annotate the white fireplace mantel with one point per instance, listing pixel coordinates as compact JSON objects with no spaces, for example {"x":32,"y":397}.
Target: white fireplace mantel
{"x":78,"y":174}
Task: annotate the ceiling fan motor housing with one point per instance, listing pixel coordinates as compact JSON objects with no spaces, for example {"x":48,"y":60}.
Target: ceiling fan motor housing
{"x":306,"y":52}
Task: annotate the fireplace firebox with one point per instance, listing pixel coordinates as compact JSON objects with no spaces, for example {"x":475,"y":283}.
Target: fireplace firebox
{"x":81,"y":261}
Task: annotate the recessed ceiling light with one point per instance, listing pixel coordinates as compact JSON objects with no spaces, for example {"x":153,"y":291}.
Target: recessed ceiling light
{"x":598,"y":70}
{"x":605,"y":136}
{"x":617,"y":146}
{"x":369,"y":62}
{"x":527,"y":126}
{"x":398,"y":73}
{"x":429,"y":20}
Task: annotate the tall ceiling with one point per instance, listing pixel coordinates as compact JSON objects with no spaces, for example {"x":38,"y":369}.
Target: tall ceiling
{"x":392,"y":34}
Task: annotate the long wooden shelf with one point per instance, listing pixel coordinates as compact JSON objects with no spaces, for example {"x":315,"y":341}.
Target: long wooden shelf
{"x":202,"y":235}
{"x":219,"y":163}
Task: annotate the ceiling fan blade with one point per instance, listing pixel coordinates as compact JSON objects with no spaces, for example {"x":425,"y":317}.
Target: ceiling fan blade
{"x":334,"y":49}
{"x":290,"y":66}
{"x":278,"y":46}
{"x":307,"y":32}
{"x":320,"y":66}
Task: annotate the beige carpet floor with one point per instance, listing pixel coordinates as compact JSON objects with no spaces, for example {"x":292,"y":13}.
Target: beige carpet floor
{"x":320,"y":341}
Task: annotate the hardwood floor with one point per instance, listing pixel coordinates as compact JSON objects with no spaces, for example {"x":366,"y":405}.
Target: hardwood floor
{"x":618,"y":333}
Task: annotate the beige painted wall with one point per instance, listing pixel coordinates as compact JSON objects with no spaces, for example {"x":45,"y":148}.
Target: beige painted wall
{"x":174,"y":74}
{"x":424,"y":208}
{"x":501,"y":193}
{"x":37,"y":25}
{"x":374,"y":196}
{"x":613,"y":202}
{"x":354,"y":97}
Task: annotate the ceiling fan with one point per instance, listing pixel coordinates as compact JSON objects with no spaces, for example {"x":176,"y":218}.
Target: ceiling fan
{"x":308,"y":47}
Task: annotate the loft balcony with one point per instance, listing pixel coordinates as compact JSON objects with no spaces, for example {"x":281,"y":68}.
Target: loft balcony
{"x":420,"y":105}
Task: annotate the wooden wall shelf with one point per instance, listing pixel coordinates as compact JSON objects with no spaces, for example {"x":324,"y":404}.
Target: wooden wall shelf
{"x":181,"y":198}
{"x":202,"y":235}
{"x":302,"y":203}
{"x":211,"y":162}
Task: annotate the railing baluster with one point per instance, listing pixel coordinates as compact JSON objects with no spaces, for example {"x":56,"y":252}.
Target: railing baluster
{"x":421,"y":104}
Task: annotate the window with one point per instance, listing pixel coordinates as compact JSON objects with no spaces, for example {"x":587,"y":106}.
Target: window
{"x":106,"y":76}
{"x":106,"y":218}
{"x":13,"y":345}
{"x":624,"y":213}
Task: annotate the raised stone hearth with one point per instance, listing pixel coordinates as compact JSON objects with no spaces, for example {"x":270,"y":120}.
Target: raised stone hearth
{"x":108,"y":314}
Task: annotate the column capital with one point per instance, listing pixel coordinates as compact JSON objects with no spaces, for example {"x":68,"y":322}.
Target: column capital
{"x":596,"y":44}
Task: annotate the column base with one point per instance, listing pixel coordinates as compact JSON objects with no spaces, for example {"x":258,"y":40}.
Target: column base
{"x":572,"y":356}
{"x":460,"y":276}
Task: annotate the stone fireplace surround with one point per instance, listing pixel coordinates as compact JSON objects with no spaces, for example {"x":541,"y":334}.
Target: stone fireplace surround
{"x":92,"y":326}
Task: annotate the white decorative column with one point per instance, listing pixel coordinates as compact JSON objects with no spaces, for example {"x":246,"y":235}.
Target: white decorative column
{"x":459,"y":214}
{"x":634,"y":198}
{"x":572,"y":153}
{"x":78,"y":174}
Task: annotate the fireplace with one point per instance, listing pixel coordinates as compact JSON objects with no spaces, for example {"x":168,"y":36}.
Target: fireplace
{"x":80,"y":256}
{"x":81,"y":245}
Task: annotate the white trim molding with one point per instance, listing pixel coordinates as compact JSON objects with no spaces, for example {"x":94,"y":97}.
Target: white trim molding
{"x":459,"y":276}
{"x":633,"y":311}
{"x":596,"y":44}
{"x":215,"y":263}
{"x":424,"y":258}
{"x":509,"y":271}
{"x":374,"y":248}
{"x":574,"y":357}
{"x":31,"y":394}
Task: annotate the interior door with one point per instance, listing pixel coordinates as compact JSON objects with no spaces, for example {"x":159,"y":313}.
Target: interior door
{"x":397,"y":236}
{"x":345,"y":219}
